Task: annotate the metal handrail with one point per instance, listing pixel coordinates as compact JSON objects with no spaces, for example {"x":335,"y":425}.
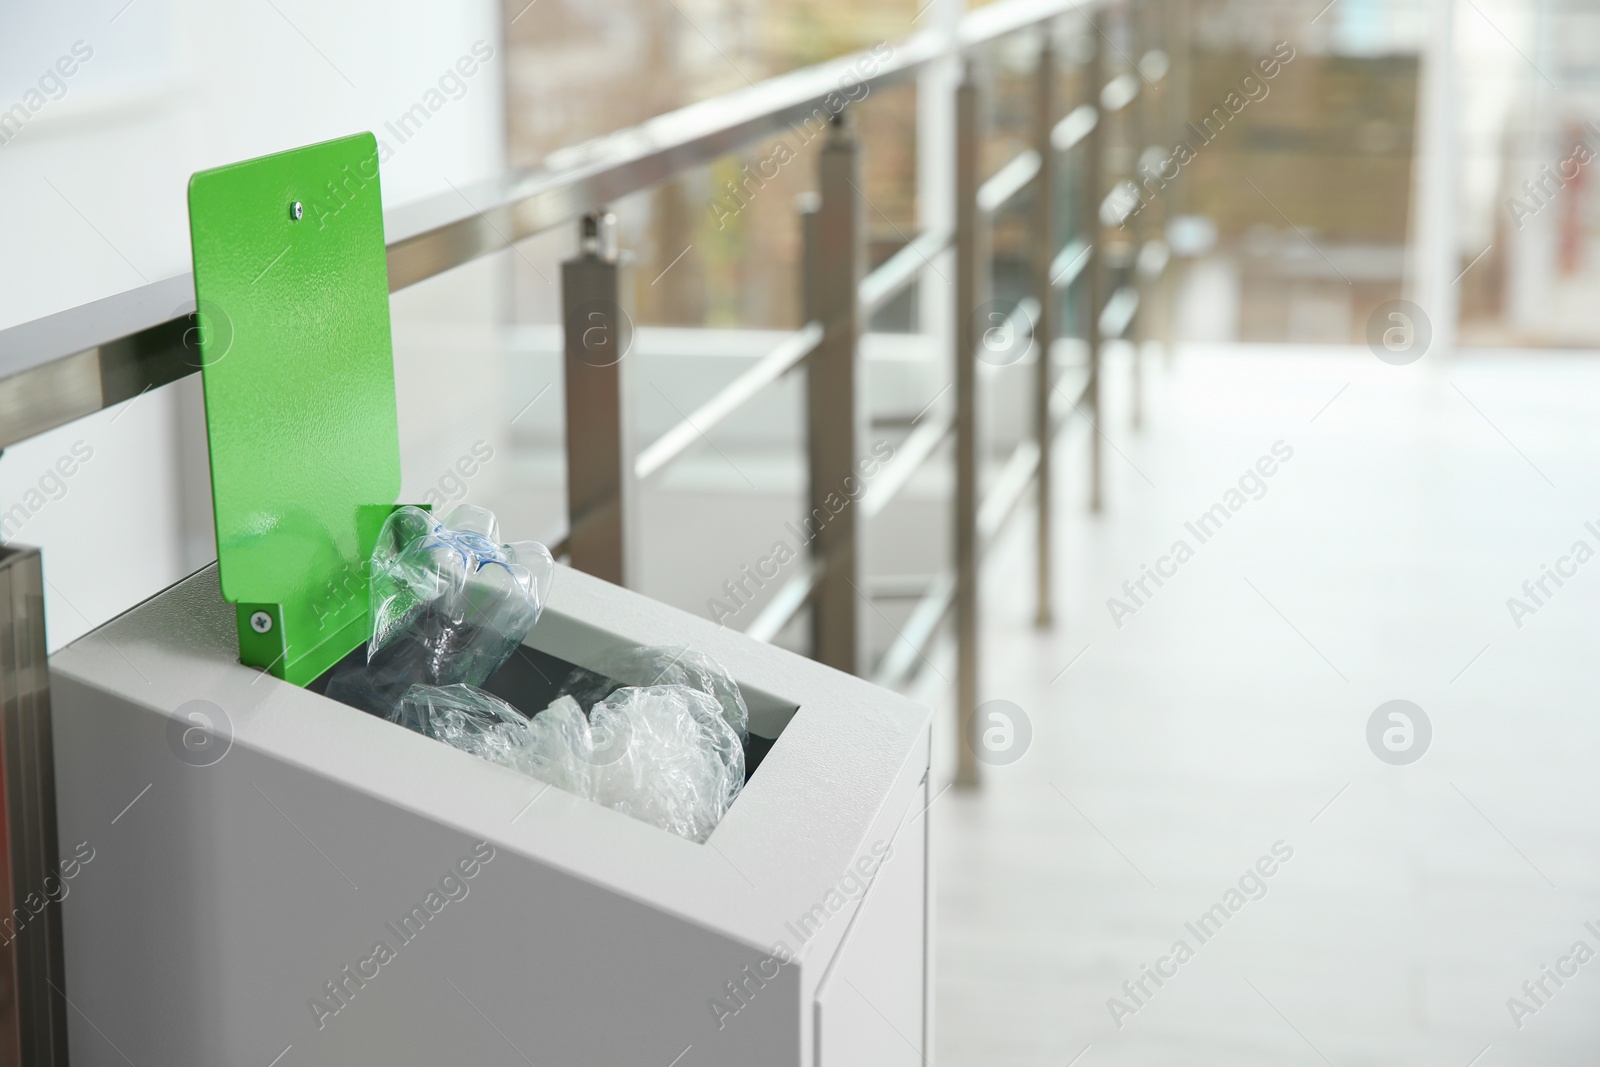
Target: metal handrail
{"x":1118,"y":204}
{"x":784,"y":605}
{"x":1065,"y":398}
{"x":62,"y":367}
{"x":1008,"y":489}
{"x":899,"y":586}
{"x":1119,"y":93}
{"x":996,"y":510}
{"x":1154,"y":255}
{"x":994,"y":21}
{"x":920,"y":444}
{"x":1018,"y":473}
{"x":1068,"y":265}
{"x":875,"y":290}
{"x":1021,"y":322}
{"x":918,"y":631}
{"x":894,"y":274}
{"x":924,"y":440}
{"x":1119,"y":311}
{"x":1074,"y":127}
{"x":1008,"y":181}
{"x":784,"y":357}
{"x":913,"y":453}
{"x":1154,"y":65}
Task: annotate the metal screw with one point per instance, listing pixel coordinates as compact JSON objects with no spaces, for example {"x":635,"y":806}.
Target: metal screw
{"x":297,"y":211}
{"x":261,"y":622}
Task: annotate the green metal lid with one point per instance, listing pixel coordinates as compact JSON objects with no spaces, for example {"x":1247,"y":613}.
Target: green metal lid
{"x":292,"y":287}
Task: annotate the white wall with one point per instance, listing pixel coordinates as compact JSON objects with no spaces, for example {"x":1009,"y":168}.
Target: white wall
{"x":94,"y":191}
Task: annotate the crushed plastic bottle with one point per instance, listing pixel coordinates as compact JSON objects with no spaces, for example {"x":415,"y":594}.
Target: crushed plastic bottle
{"x":663,"y":754}
{"x":449,"y":605}
{"x":650,"y":665}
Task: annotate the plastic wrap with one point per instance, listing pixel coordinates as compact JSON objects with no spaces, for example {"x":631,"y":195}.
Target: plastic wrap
{"x":663,"y":754}
{"x":682,"y":765}
{"x":650,"y":665}
{"x":465,"y":717}
{"x":449,"y":605}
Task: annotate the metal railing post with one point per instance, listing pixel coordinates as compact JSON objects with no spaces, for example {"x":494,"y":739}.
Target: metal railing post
{"x":1175,"y":15}
{"x":1044,"y":331}
{"x":969,"y":263}
{"x":835,"y":413}
{"x":1145,"y":121}
{"x":1094,"y":192}
{"x":33,"y":1009}
{"x":597,"y":335}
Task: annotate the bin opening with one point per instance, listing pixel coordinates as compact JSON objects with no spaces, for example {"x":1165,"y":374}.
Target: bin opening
{"x":532,"y":678}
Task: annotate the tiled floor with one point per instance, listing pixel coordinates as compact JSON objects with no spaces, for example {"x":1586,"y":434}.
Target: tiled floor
{"x":1229,"y":714}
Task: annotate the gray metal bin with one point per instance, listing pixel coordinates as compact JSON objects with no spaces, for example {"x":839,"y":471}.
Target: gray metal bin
{"x":299,"y":891}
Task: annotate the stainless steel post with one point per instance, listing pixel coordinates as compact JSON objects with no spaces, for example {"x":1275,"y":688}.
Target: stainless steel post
{"x":597,"y":335}
{"x":1094,"y":165}
{"x":33,"y":1020}
{"x":835,"y":414}
{"x":969,"y":263}
{"x":1179,"y":44}
{"x":1146,"y":123}
{"x":1044,"y":331}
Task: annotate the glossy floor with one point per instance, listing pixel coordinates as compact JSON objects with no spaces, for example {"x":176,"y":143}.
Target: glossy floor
{"x":1225,"y":723}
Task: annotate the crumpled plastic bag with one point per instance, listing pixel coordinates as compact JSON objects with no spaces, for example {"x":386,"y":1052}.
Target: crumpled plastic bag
{"x":662,"y":754}
{"x":679,"y":764}
{"x":449,"y":604}
{"x":467,"y":718}
{"x":650,"y":665}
